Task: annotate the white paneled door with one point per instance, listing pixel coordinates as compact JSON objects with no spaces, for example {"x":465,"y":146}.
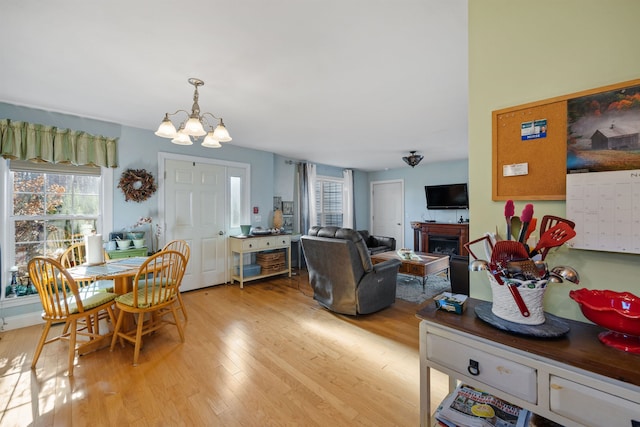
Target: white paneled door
{"x":387,"y":208}
{"x":195,"y":211}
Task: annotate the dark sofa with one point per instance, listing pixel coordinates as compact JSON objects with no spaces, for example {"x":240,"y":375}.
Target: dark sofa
{"x":341,"y":273}
{"x":377,"y":244}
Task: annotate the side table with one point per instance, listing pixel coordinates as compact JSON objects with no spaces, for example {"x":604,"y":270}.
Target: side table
{"x":251,"y":244}
{"x":573,"y":380}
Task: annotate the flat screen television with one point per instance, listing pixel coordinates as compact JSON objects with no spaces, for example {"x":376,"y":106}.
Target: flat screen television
{"x":449,"y":196}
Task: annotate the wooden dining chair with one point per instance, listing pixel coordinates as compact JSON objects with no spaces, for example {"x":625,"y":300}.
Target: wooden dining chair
{"x":76,"y":254}
{"x":155,"y":293}
{"x":183,"y":247}
{"x":64,"y":302}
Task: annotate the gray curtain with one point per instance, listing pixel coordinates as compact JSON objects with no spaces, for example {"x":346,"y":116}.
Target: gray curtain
{"x":48,"y":144}
{"x":303,"y":191}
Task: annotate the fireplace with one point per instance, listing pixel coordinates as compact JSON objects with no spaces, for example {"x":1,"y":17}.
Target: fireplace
{"x":449,"y":238}
{"x":443,"y":244}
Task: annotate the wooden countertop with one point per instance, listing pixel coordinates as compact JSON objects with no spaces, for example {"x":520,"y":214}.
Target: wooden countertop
{"x":580,"y":347}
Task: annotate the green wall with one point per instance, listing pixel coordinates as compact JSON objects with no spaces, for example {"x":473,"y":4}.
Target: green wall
{"x":524,"y":51}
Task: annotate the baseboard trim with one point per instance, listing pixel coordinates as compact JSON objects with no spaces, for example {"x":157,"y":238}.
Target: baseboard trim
{"x":20,"y":321}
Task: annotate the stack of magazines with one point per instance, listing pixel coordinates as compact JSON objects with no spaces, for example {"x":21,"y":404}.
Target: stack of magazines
{"x":469,"y":407}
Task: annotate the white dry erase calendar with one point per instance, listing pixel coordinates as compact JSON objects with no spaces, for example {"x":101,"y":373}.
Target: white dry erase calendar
{"x":606,"y":209}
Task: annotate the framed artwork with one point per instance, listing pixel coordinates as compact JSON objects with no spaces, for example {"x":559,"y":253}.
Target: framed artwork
{"x":287,"y":223}
{"x":287,"y":208}
{"x":277,"y":202}
{"x":603,"y":131}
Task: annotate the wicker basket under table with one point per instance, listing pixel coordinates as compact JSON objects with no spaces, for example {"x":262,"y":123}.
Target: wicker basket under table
{"x":271,"y":262}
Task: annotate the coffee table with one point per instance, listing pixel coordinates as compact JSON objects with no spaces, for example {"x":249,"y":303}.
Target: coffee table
{"x":427,"y":264}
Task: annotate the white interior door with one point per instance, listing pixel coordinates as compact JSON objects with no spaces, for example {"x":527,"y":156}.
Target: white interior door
{"x":194,"y":206}
{"x":387,"y":210}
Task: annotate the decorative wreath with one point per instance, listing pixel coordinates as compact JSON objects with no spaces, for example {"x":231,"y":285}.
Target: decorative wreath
{"x":137,"y":185}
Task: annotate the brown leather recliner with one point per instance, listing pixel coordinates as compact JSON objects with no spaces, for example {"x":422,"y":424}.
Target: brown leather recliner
{"x":341,"y":273}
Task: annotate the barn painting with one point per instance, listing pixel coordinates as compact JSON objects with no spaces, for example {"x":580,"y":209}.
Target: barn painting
{"x":603,"y":131}
{"x":615,"y":138}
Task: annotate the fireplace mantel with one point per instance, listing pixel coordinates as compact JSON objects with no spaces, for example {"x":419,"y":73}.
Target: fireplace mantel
{"x":422,"y":231}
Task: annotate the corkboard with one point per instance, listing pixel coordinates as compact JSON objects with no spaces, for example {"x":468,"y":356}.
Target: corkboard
{"x":546,"y":158}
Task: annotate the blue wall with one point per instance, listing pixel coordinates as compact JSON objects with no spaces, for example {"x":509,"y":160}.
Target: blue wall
{"x":284,"y":181}
{"x":139,"y":148}
{"x":270,"y":175}
{"x":415,"y":203}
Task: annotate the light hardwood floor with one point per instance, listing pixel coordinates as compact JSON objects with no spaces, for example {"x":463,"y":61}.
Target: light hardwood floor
{"x":265,"y":355}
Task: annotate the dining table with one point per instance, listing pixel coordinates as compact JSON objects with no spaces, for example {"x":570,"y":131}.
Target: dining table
{"x":121,"y":271}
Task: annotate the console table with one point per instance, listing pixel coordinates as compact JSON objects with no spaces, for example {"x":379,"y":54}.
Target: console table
{"x":250,"y":244}
{"x":573,"y":380}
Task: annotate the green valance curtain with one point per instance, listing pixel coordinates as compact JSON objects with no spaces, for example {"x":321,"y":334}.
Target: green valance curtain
{"x":40,"y":143}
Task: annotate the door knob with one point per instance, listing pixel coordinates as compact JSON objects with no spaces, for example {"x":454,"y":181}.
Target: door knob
{"x":221,"y":232}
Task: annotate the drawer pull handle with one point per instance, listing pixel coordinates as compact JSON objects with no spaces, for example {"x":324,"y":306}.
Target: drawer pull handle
{"x":474,"y":367}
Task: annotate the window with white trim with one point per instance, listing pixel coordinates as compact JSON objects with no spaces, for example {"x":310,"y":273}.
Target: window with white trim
{"x":329,"y":200}
{"x":50,"y":206}
{"x":238,"y":196}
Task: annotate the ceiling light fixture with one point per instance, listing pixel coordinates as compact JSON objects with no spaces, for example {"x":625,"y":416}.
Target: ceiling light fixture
{"x":413,"y":159}
{"x":194,"y":125}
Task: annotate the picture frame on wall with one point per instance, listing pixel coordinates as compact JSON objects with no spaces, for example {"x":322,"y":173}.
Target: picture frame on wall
{"x":603,"y":131}
{"x":287,"y":208}
{"x":277,"y":202}
{"x":287,"y":223}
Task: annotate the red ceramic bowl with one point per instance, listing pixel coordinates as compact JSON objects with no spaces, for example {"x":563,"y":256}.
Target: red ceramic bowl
{"x":616,"y":311}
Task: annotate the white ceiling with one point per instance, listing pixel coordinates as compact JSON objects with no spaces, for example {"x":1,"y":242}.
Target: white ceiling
{"x":349,"y":83}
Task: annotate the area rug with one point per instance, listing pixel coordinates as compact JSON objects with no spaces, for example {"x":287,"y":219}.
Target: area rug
{"x":409,"y":288}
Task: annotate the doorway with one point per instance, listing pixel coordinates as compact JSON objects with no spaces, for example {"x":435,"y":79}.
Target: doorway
{"x":387,"y":210}
{"x":195,"y":206}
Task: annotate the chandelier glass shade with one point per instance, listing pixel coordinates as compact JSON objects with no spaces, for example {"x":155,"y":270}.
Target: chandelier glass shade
{"x":413,"y":159}
{"x":194,"y":125}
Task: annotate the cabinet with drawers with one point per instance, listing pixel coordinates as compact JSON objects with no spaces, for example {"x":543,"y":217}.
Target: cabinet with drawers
{"x":127,"y":253}
{"x":573,"y":380}
{"x":253,"y":244}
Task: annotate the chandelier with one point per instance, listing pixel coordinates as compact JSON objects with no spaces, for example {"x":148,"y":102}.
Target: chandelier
{"x":413,"y":159}
{"x":194,"y":125}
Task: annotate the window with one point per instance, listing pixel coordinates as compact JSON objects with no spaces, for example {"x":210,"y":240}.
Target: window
{"x":329,"y":198}
{"x":235,"y":201}
{"x":50,"y":207}
{"x":238,"y":196}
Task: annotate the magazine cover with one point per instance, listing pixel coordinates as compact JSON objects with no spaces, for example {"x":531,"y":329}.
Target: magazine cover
{"x":468,"y":407}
